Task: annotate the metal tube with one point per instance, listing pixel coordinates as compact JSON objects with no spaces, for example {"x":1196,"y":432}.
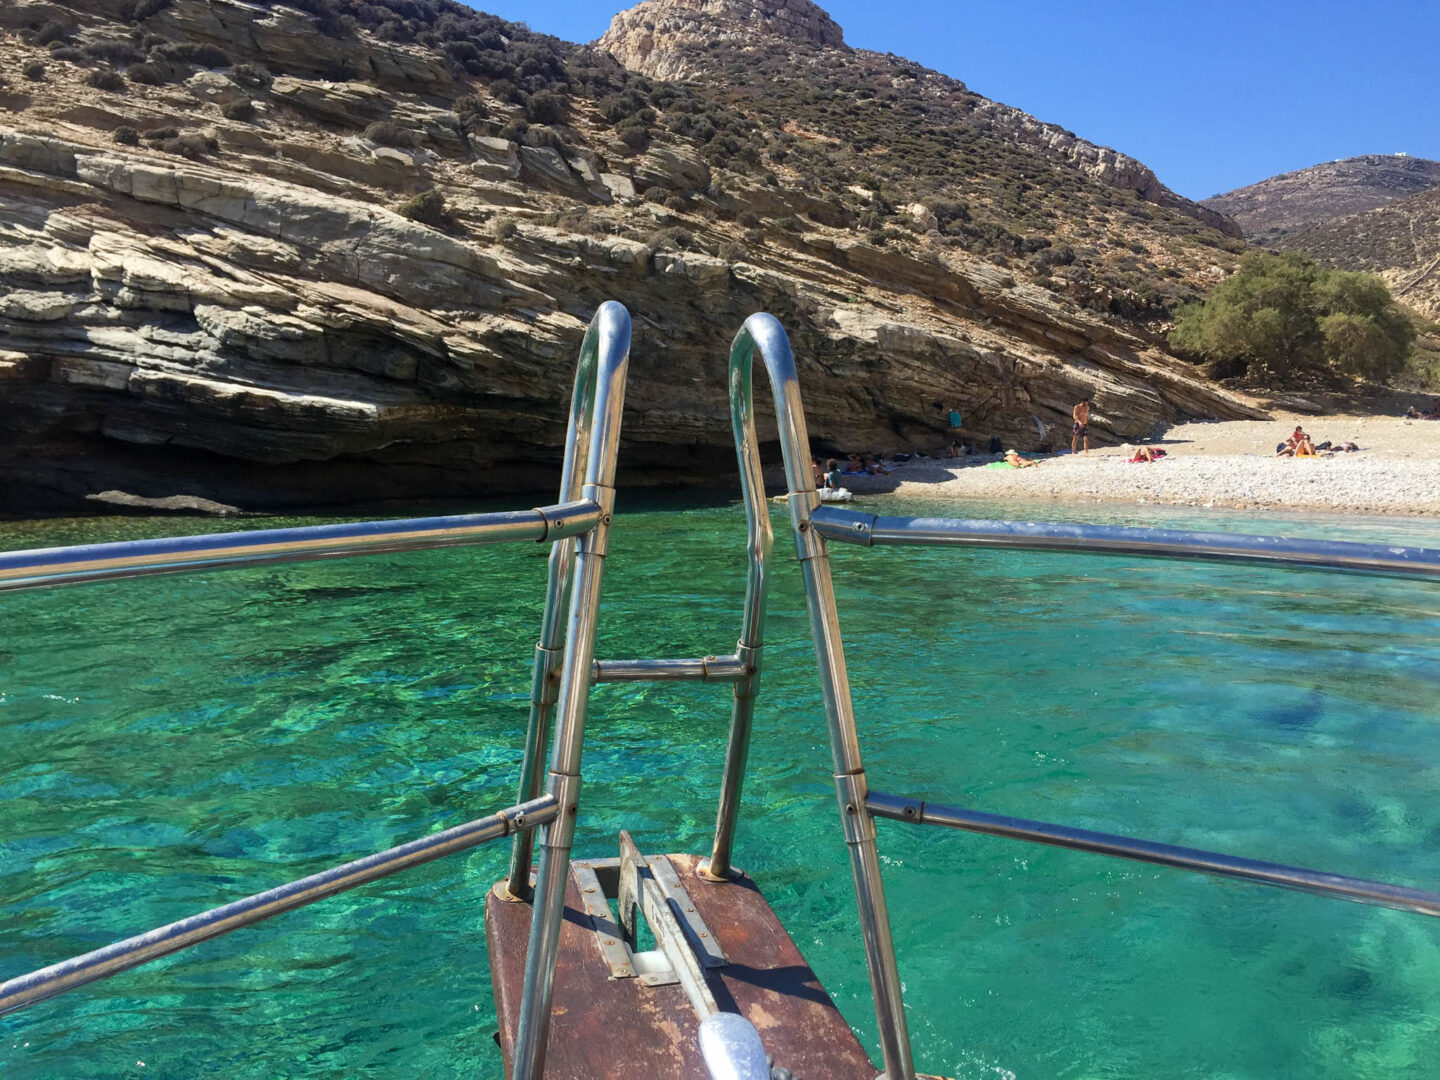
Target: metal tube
{"x":870,"y":530}
{"x":132,"y":952}
{"x":549,"y":652}
{"x":134,"y":558}
{"x":918,"y":812}
{"x":749,"y":648}
{"x":704,"y":669}
{"x":763,"y":333}
{"x":611,"y":328}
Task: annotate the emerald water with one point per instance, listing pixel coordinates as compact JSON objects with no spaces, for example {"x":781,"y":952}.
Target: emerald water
{"x":174,"y":743}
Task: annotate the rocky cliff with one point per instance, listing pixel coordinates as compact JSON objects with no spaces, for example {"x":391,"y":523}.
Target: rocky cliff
{"x":668,"y":39}
{"x":700,"y":39}
{"x":1273,"y":210}
{"x":233,"y":273}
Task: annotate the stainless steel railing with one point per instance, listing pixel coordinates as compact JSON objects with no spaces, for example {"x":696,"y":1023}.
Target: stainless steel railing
{"x":132,"y":952}
{"x":813,"y":525}
{"x":869,"y":530}
{"x":577,"y":526}
{"x":47,"y":567}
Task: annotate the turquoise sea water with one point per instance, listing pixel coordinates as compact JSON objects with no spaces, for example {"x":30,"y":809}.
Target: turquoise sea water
{"x":171,"y":744}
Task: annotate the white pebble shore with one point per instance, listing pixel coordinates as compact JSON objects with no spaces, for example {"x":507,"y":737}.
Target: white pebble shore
{"x":1227,"y":464}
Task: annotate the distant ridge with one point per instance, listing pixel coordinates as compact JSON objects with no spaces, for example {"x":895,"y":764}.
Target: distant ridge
{"x":1273,"y":210}
{"x":1400,"y":241}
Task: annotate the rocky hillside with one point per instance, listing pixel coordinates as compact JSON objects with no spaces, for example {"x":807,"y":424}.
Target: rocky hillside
{"x":1274,"y":211}
{"x":1400,"y":241}
{"x":281,"y":255}
{"x":789,"y":61}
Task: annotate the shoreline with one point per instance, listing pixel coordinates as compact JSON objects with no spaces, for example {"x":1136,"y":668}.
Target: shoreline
{"x":1210,"y":464}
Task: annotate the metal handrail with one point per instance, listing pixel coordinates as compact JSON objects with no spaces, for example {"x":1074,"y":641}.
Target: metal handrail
{"x":578,"y":526}
{"x":45,"y":567}
{"x":870,"y":530}
{"x":594,"y":403}
{"x":764,"y":335}
{"x":1361,"y":890}
{"x":49,"y":981}
{"x":605,"y":357}
{"x":814,"y":524}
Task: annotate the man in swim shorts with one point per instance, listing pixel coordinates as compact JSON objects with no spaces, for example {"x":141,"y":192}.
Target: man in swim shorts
{"x":1081,"y":429}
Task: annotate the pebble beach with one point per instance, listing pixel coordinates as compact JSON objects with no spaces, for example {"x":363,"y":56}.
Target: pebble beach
{"x":1212,"y":464}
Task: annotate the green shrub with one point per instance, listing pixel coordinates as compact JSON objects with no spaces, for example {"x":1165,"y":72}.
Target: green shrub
{"x":1278,"y":316}
{"x":107,"y":80}
{"x":139,"y":10}
{"x":676,"y":202}
{"x":545,"y":108}
{"x":127,"y":136}
{"x":472,"y":110}
{"x":34,"y":71}
{"x":506,"y":229}
{"x":656,"y":194}
{"x":160,"y":134}
{"x":145,"y":75}
{"x":251,"y":76}
{"x":53,"y":31}
{"x":540,"y":136}
{"x":242,"y":111}
{"x":633,"y":133}
{"x":428,"y":208}
{"x":190,"y":144}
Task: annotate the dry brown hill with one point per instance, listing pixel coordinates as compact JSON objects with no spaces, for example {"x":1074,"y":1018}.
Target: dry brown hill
{"x":275,"y":256}
{"x":1399,"y":241}
{"x":1274,"y":211}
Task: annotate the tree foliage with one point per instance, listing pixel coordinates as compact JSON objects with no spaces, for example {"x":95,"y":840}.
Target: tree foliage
{"x":1279,"y":316}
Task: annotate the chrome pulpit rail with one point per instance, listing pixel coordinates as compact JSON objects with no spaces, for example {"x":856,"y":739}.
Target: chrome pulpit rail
{"x":576,"y":526}
{"x":1361,"y":890}
{"x":870,"y":530}
{"x":162,"y":941}
{"x":814,"y":524}
{"x":44,"y":567}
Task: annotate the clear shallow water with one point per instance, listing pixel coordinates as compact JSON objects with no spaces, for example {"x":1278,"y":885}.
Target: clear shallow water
{"x":176,"y":743}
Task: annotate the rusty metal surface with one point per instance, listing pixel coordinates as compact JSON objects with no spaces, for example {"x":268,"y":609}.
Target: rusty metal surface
{"x":619,"y":1028}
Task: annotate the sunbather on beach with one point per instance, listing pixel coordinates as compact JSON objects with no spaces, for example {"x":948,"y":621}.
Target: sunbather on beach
{"x":1287,"y":448}
{"x":1146,"y":454}
{"x":1012,"y":457}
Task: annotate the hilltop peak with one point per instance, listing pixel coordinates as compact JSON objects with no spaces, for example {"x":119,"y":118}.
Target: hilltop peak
{"x":659,"y":37}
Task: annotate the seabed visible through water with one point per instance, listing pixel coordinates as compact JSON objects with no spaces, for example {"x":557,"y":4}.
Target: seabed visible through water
{"x":174,"y":743}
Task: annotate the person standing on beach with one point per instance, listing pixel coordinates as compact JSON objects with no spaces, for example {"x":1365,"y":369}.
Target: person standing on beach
{"x":1081,"y":431}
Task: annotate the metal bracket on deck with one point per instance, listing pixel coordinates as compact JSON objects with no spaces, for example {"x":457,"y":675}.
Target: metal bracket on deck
{"x":685,"y":946}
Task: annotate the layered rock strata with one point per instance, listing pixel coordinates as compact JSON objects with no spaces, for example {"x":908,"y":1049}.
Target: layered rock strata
{"x":257,"y":325}
{"x":181,"y":329}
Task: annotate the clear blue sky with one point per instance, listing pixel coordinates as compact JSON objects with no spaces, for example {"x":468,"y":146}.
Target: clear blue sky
{"x":1211,"y":94}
